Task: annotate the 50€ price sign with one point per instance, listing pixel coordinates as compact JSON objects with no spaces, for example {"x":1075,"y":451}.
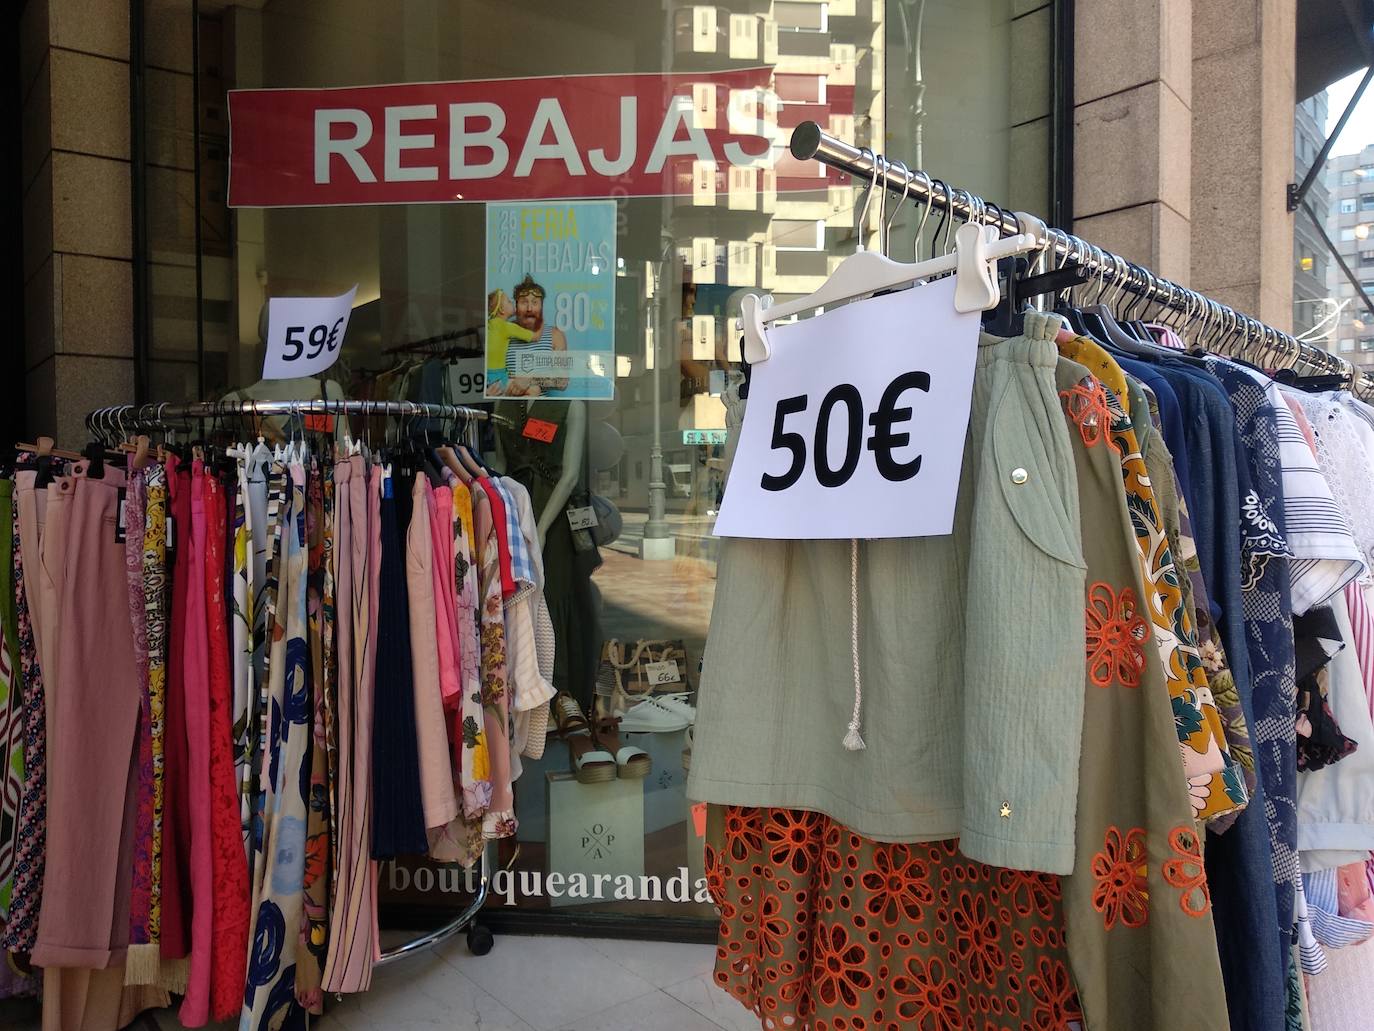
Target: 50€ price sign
{"x":855,"y":425}
{"x":305,"y":335}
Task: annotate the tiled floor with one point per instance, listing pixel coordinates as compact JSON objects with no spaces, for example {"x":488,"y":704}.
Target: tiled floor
{"x":537,"y":984}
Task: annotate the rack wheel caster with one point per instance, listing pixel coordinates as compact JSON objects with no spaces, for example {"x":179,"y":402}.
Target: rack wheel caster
{"x":479,"y":940}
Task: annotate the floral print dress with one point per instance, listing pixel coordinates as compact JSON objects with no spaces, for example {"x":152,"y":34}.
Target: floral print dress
{"x":279,"y":854}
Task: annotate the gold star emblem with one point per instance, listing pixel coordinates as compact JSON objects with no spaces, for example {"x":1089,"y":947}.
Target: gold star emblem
{"x":1005,"y":811}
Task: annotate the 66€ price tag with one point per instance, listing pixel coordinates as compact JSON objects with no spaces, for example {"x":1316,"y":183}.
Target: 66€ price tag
{"x":305,"y":335}
{"x":855,"y":424}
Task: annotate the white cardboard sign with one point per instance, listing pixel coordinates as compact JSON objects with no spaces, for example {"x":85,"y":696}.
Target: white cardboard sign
{"x":305,"y":335}
{"x":855,"y":425}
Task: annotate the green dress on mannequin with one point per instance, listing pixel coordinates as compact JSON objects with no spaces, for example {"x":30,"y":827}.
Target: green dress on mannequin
{"x":567,"y":569}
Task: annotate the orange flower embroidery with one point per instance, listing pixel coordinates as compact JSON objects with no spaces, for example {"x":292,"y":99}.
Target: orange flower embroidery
{"x":1116,"y":635}
{"x":839,"y":972}
{"x":1056,"y":1002}
{"x":1086,"y":404}
{"x":793,"y":838}
{"x":1121,"y":894}
{"x":1187,"y":873}
{"x":743,"y":833}
{"x":899,"y":885}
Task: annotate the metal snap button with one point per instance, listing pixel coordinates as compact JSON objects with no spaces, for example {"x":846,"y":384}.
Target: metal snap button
{"x":1019,"y":476}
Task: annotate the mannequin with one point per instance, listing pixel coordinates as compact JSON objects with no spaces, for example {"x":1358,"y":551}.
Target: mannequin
{"x":574,"y":434}
{"x":553,"y":474}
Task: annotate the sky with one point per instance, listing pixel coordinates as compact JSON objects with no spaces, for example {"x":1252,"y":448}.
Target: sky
{"x":1359,"y":131}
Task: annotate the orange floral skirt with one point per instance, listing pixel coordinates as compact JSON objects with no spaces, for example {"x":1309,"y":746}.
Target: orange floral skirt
{"x":824,"y":930}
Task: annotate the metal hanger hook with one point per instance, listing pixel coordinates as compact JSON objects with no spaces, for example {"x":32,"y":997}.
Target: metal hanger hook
{"x":906,"y":188}
{"x":862,"y":224}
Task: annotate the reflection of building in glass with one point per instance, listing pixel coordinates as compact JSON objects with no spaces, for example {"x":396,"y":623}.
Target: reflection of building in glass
{"x":776,"y":228}
{"x":1350,"y":182}
{"x":1310,"y":256}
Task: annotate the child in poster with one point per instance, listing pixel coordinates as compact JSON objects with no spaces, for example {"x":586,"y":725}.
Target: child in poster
{"x":550,"y":300}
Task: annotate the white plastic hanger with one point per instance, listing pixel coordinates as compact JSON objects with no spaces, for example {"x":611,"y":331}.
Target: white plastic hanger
{"x":976,"y":250}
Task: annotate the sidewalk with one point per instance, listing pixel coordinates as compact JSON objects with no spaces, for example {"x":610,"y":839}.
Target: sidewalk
{"x":530,"y":984}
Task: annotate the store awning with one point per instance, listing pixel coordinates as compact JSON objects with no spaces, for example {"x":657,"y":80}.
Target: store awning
{"x":1335,"y":38}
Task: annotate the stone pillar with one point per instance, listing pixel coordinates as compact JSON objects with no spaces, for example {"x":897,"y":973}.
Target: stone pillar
{"x":1243,"y":58}
{"x":1133,"y":129}
{"x":78,"y":349}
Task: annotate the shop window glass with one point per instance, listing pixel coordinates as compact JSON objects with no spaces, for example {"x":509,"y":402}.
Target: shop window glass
{"x":662,"y":282}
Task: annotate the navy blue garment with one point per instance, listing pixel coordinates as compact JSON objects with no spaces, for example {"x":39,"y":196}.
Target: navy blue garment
{"x":1252,"y":943}
{"x":398,"y":821}
{"x":1170,"y":423}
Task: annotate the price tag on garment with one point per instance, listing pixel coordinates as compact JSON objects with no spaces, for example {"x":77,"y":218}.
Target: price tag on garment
{"x":305,"y":335}
{"x":659,"y":673}
{"x":538,"y":429}
{"x":582,"y":518}
{"x":318,"y":422}
{"x":856,"y":422}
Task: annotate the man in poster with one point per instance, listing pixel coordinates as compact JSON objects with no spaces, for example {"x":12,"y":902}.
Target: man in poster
{"x":524,"y":350}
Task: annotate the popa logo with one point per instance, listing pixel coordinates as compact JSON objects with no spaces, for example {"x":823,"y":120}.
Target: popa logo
{"x":512,"y":885}
{"x":597,"y":841}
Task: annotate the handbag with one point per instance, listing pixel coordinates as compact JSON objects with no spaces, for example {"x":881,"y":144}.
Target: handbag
{"x":652,"y":667}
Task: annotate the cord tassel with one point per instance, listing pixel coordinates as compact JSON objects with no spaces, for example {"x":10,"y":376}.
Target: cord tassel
{"x":852,"y":740}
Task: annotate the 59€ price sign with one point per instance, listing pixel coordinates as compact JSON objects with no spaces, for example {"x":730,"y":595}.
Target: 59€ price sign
{"x":856,"y":422}
{"x":305,"y":335}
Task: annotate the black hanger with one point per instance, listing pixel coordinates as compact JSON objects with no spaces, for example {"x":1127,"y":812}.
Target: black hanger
{"x":1007,"y":318}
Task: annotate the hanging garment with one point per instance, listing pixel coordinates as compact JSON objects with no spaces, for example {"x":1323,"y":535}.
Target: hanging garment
{"x":529,"y":629}
{"x":316,"y":873}
{"x":242,"y":645}
{"x":11,"y":708}
{"x":22,"y":925}
{"x":398,"y":823}
{"x":353,"y":939}
{"x":499,"y":819}
{"x":475,"y":761}
{"x":945,"y":625}
{"x":141,"y":961}
{"x":176,"y":816}
{"x":269,"y":998}
{"x":194,"y":632}
{"x":92,"y":723}
{"x":229,"y":943}
{"x":438,"y":801}
{"x":1159,"y":465}
{"x":145,"y":965}
{"x":441,"y":563}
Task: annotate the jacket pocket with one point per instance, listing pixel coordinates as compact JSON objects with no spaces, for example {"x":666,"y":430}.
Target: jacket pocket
{"x":1030,"y":479}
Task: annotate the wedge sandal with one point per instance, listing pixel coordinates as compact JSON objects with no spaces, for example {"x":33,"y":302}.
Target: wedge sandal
{"x":632,"y":763}
{"x":589,"y":761}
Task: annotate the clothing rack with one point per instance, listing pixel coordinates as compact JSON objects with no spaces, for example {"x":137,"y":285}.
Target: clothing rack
{"x":1236,"y":332}
{"x":117,"y":417}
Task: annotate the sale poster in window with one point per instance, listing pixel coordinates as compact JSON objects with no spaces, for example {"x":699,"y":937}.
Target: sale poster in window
{"x":550,"y":324}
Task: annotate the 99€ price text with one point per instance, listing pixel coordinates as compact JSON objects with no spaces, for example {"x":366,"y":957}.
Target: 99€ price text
{"x":885,"y":438}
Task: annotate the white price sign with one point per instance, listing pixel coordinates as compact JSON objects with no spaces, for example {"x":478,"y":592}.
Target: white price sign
{"x":467,"y":381}
{"x":855,"y":425}
{"x":660,"y":673}
{"x":305,"y":335}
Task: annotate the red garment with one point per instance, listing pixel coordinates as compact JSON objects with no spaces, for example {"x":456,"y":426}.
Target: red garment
{"x":498,"y":516}
{"x":176,"y":809}
{"x":195,"y":1006}
{"x":229,"y":948}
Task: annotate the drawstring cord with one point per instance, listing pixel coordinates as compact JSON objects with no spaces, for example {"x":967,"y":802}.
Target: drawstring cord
{"x":852,"y":740}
